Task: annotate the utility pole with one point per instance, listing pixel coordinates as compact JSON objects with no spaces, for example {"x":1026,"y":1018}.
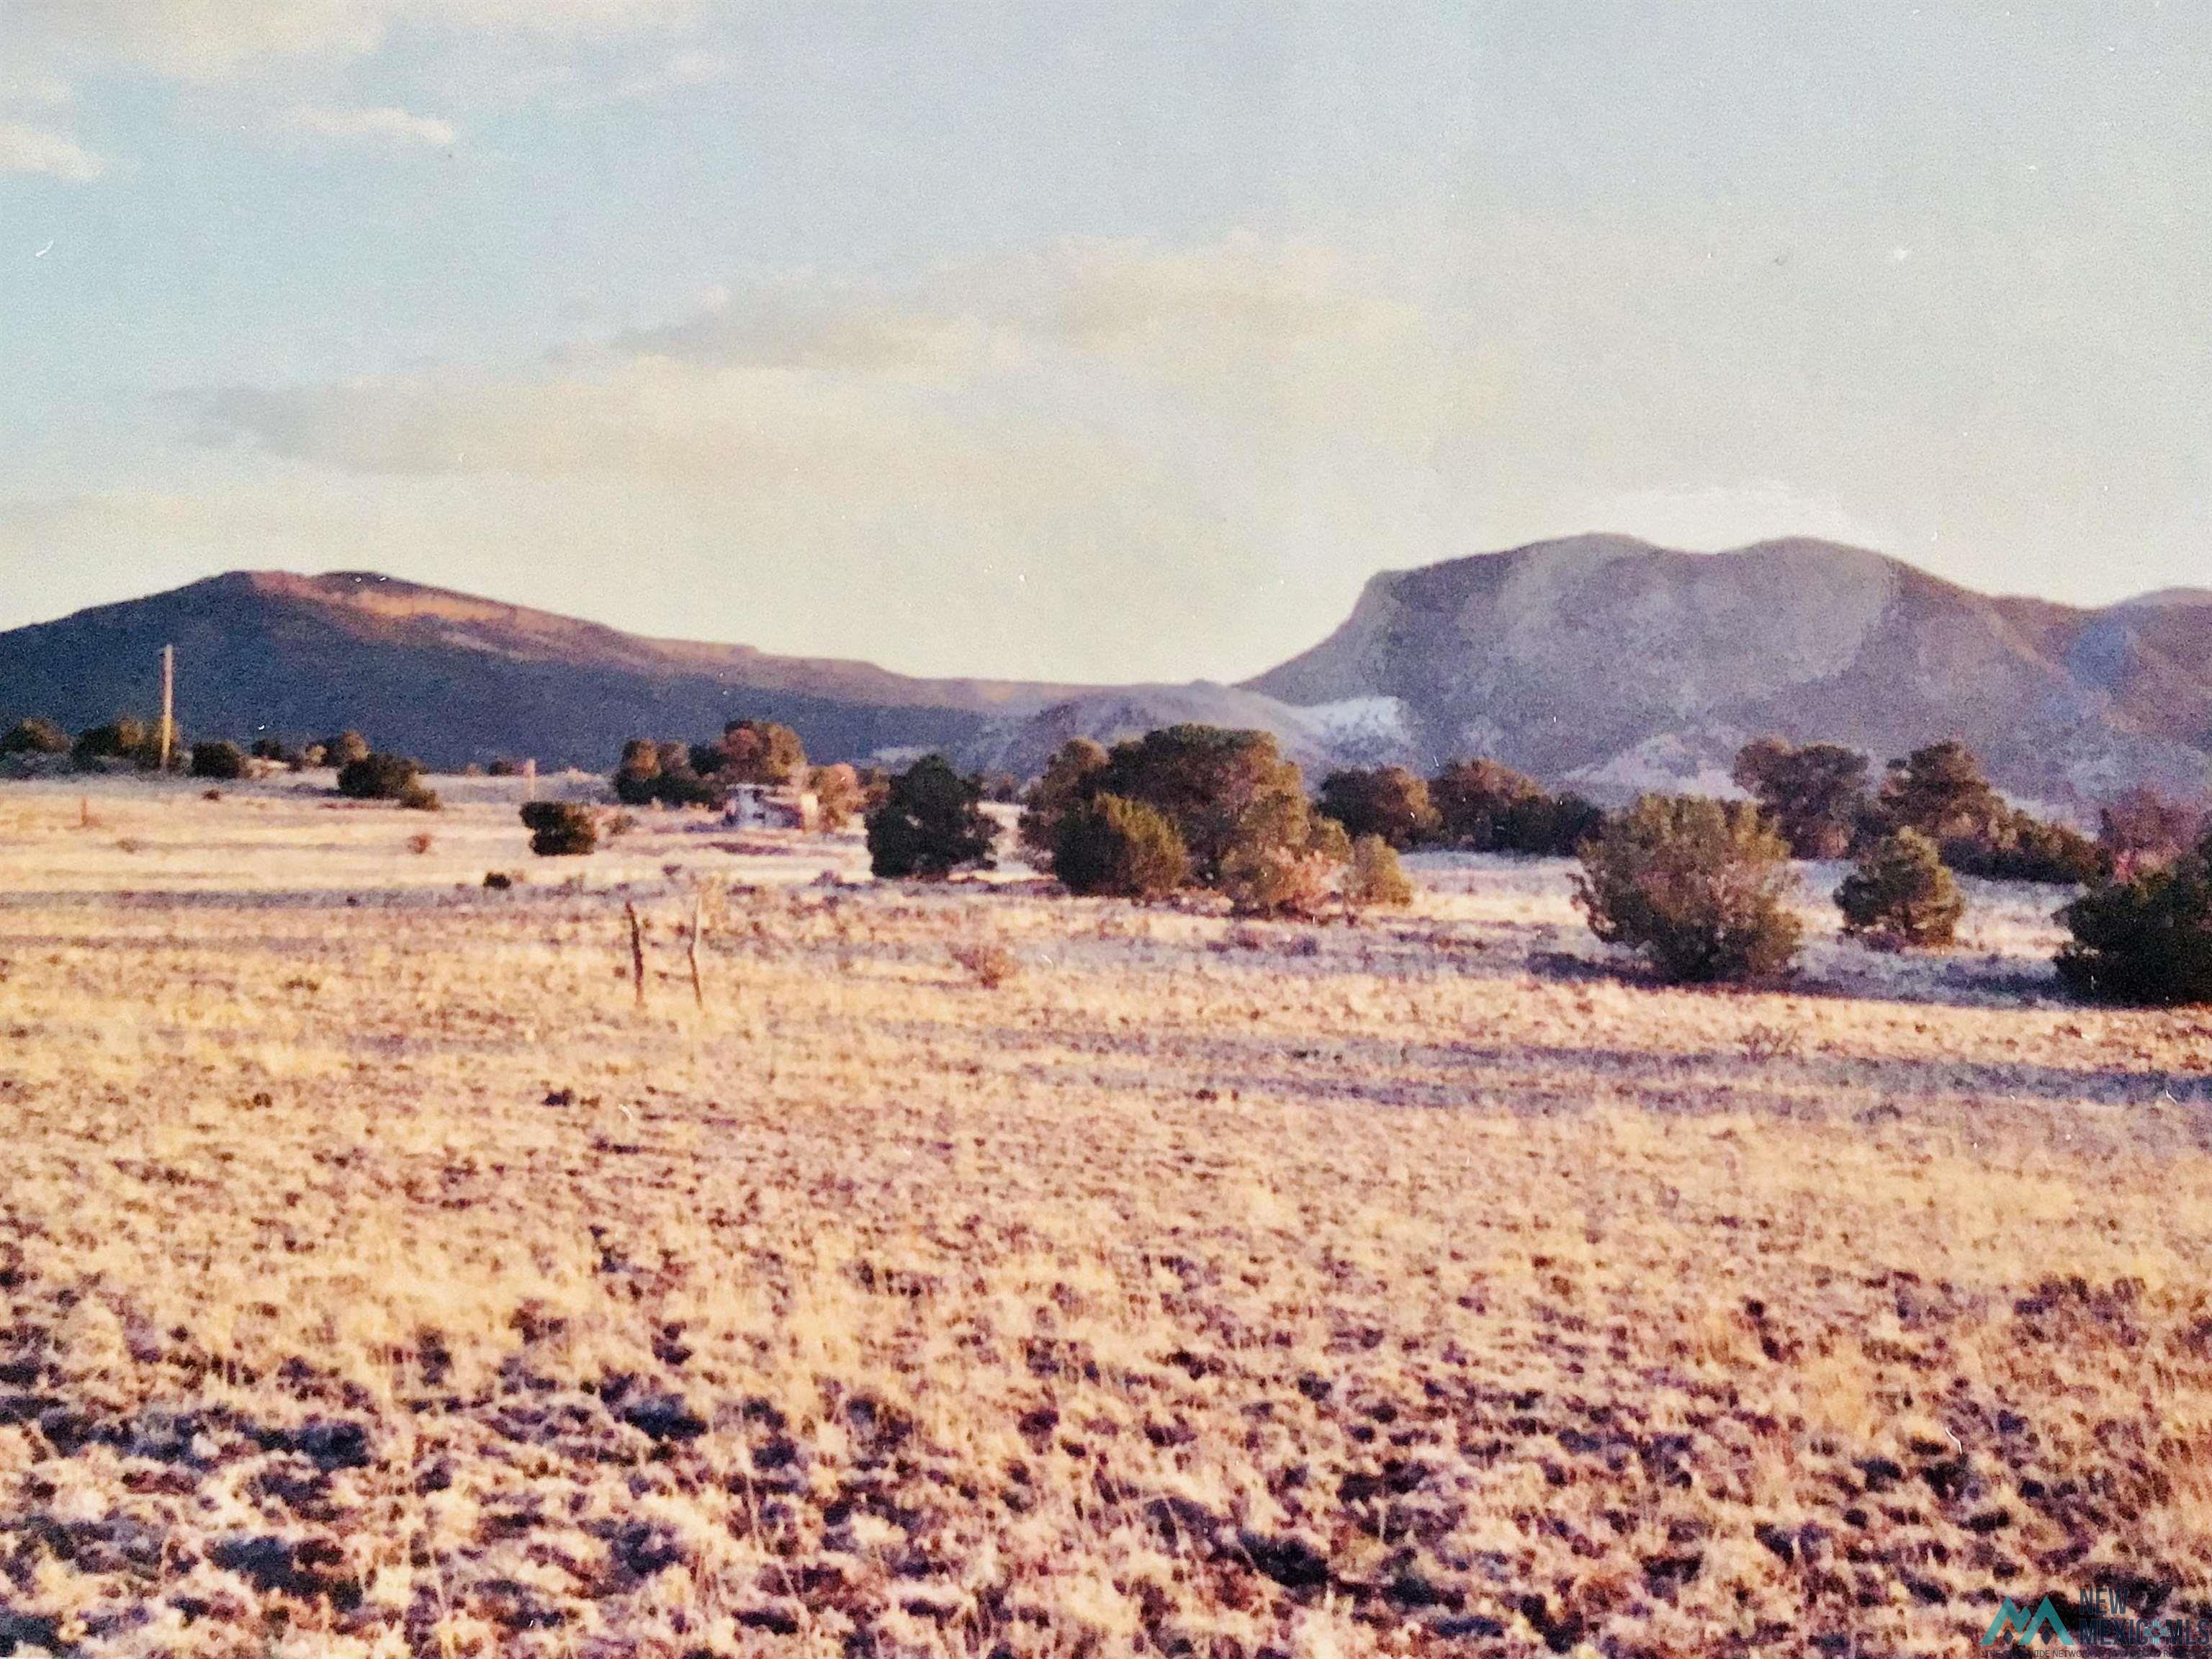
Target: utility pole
{"x":168,"y":702}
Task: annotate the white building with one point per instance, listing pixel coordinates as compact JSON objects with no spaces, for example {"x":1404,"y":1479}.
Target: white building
{"x":770,"y":807}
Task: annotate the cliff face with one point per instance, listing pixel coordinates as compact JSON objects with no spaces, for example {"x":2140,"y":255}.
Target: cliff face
{"x":1617,"y":665}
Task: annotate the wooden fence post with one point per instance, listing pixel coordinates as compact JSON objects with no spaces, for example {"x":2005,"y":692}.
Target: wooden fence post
{"x":636,"y":951}
{"x":698,"y":914}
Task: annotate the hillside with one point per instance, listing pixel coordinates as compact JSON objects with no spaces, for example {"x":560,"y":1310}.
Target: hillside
{"x":455,"y":679}
{"x":1598,"y":661}
{"x":1617,"y":665}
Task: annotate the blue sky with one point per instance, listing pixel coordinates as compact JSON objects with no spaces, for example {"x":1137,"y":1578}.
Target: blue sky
{"x":1089,"y":341}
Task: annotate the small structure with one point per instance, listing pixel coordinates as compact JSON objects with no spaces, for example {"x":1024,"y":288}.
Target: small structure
{"x":772,"y":806}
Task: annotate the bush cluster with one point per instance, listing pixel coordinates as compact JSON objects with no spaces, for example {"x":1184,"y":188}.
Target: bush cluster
{"x":378,"y":775}
{"x":1387,"y":802}
{"x":2017,"y":846}
{"x":838,"y":795}
{"x":34,"y":737}
{"x":662,"y":774}
{"x":127,"y":738}
{"x":1818,"y":797}
{"x":1482,"y":806}
{"x":344,"y":749}
{"x":561,"y":828}
{"x":669,"y":772}
{"x":1282,"y":859}
{"x":133,"y":740}
{"x":224,"y":762}
{"x":1185,"y":805}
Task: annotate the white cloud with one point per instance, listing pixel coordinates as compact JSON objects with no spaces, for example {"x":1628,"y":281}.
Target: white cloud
{"x":36,"y":91}
{"x":203,"y":39}
{"x":1719,"y":518}
{"x":392,"y":125}
{"x":967,"y":473}
{"x":34,"y":150}
{"x":1263,"y":349}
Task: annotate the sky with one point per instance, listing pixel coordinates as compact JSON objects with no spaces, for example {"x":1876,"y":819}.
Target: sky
{"x":1091,"y":341}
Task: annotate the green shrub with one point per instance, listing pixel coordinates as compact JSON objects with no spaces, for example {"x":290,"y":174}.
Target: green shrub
{"x":931,"y":823}
{"x":1281,"y":858}
{"x":1374,"y":877}
{"x":560,"y":829}
{"x":223,"y":761}
{"x":637,"y":777}
{"x":126,"y":738}
{"x":1901,"y":893}
{"x":34,"y":737}
{"x":1698,"y":886}
{"x":1547,"y":826}
{"x":346,"y":748}
{"x":1940,"y":791}
{"x":276,"y":749}
{"x":1118,"y":848}
{"x":1209,"y":782}
{"x":1485,"y":807}
{"x":2016,"y":846}
{"x":1385,"y":801}
{"x":665,"y":773}
{"x":1071,"y":778}
{"x":1472,"y":796}
{"x":378,"y":777}
{"x":2146,"y":940}
{"x":1816,"y":795}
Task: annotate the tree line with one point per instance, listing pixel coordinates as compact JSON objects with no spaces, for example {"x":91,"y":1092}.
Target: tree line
{"x":1699,"y":887}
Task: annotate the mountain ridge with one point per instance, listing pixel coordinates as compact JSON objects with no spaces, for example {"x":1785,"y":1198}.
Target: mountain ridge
{"x":1611,"y":663}
{"x":455,"y":678}
{"x":1603,"y":662}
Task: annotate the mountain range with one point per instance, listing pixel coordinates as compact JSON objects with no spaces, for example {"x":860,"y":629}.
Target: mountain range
{"x":1599,"y":662}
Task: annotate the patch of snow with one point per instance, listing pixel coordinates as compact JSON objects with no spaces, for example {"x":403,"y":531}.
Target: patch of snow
{"x":1670,"y":763}
{"x":1369,"y":729}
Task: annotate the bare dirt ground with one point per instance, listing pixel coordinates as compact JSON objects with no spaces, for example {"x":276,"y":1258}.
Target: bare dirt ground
{"x":380,"y":1279}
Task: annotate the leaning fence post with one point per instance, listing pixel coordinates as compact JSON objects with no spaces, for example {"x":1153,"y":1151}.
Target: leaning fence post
{"x":636,"y":951}
{"x":698,"y":912}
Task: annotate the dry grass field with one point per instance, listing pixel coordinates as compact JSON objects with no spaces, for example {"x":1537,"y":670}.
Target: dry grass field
{"x":381,"y":1279}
